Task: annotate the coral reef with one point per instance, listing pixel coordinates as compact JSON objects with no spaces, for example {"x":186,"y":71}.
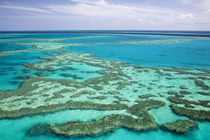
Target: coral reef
{"x":193,"y":114}
{"x":138,"y":120}
{"x":133,"y":89}
{"x":95,"y":128}
{"x":180,"y":126}
{"x":201,"y":84}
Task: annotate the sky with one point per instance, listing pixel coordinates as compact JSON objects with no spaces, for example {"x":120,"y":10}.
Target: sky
{"x":104,"y":15}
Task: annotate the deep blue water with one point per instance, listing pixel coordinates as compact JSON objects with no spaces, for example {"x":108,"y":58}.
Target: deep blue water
{"x":190,"y":54}
{"x":9,"y":47}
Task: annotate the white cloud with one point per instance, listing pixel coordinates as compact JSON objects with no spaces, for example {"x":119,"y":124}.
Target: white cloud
{"x":138,"y":14}
{"x":205,"y":4}
{"x":186,"y":1}
{"x":15,"y":7}
{"x":117,"y":22}
{"x":94,"y":2}
{"x":100,"y":12}
{"x":104,"y":9}
{"x":186,"y":16}
{"x":207,"y":12}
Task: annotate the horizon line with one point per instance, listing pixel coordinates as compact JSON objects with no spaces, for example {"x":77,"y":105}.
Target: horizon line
{"x":100,"y":30}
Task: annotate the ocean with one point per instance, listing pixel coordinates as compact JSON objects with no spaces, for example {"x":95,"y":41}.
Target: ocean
{"x":84,"y":84}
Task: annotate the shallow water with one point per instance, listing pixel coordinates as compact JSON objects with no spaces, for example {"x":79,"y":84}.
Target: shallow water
{"x":16,"y":129}
{"x":12,"y":67}
{"x":117,"y":46}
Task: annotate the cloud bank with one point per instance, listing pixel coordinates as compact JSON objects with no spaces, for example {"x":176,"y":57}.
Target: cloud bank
{"x":102,"y":14}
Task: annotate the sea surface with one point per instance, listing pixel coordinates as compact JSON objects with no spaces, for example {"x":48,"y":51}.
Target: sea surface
{"x":159,"y":49}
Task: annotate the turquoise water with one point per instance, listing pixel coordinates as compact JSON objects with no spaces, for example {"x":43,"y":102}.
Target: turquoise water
{"x":74,"y":71}
{"x":12,"y":67}
{"x":193,"y":53}
{"x":16,"y":129}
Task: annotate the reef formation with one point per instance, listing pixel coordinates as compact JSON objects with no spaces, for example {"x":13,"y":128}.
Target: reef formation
{"x":120,"y":87}
{"x":180,"y":126}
